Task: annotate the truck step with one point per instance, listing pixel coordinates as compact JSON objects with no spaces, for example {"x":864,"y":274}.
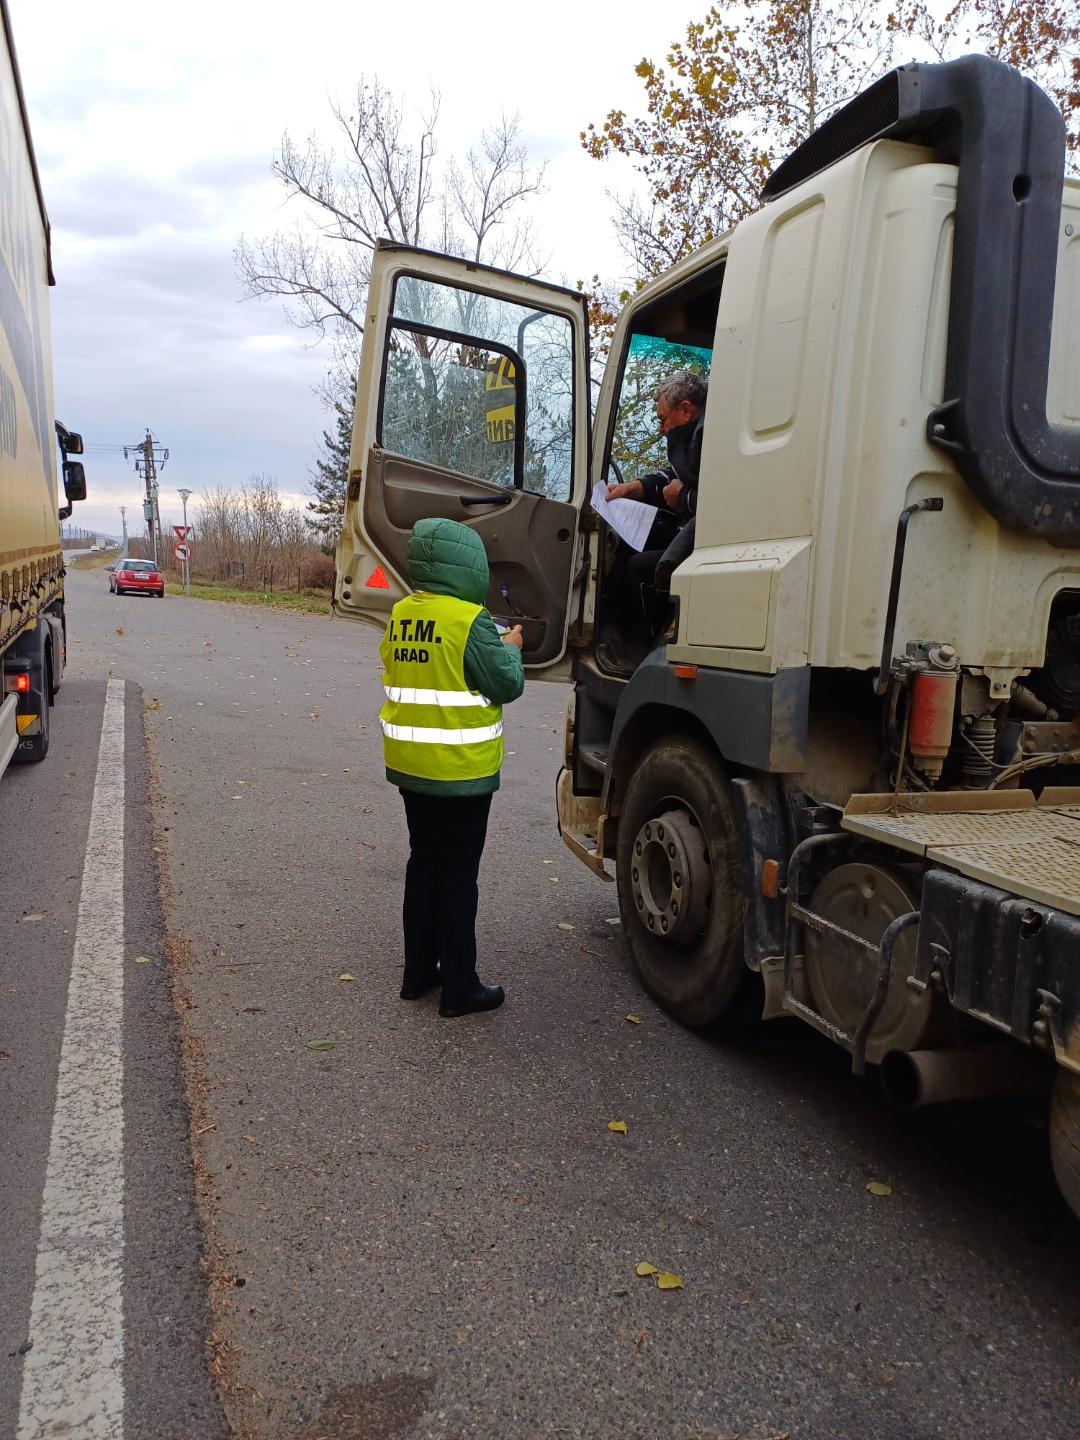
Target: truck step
{"x":594,"y":757}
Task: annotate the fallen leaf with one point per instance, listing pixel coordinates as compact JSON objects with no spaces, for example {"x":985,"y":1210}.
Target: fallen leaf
{"x":634,"y":1019}
{"x":667,"y":1281}
{"x":564,"y":925}
{"x":142,"y":959}
{"x":617,"y":1127}
{"x":876,"y":1187}
{"x":154,"y":704}
{"x":643,"y":1268}
{"x":70,"y":774}
{"x":614,"y":920}
{"x":157,"y":849}
{"x":554,"y":879}
{"x":236,"y":797}
{"x":346,"y":976}
{"x":547,"y":862}
{"x":637,"y":1345}
{"x":320,"y":1044}
{"x":31,"y":919}
{"x":249,"y":1138}
{"x":119,"y":630}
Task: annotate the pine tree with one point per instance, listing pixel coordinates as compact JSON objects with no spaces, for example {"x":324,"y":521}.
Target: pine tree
{"x":330,"y":479}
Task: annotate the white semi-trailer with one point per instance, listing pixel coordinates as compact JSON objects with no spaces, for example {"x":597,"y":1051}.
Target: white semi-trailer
{"x":32,"y":624}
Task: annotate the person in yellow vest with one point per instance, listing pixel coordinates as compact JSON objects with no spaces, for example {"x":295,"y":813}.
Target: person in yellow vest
{"x":447,"y":675}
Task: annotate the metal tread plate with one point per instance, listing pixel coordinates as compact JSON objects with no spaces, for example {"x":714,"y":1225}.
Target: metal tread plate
{"x":1008,"y":839}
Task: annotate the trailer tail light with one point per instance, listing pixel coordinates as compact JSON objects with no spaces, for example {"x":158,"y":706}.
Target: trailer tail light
{"x":18,"y":682}
{"x":770,"y":879}
{"x":685,"y":672}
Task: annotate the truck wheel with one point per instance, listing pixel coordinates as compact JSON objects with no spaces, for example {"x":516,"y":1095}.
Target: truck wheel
{"x":1065,"y":1135}
{"x":678,"y":874}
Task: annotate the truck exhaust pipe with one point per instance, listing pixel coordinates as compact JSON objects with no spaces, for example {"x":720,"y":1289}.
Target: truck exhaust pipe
{"x":912,"y":1078}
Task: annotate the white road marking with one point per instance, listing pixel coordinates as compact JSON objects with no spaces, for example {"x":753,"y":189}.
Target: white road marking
{"x":73,"y":1375}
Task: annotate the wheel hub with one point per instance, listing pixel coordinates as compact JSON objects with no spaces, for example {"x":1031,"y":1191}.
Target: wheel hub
{"x":670,"y":877}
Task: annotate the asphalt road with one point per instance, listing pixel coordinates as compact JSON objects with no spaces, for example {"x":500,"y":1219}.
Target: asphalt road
{"x":421,"y":1228}
{"x":44,"y":820}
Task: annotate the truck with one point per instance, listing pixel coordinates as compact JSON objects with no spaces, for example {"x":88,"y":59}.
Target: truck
{"x":33,"y":445}
{"x":842,"y":783}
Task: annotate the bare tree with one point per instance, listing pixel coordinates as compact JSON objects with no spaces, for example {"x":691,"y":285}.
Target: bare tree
{"x":385,"y":181}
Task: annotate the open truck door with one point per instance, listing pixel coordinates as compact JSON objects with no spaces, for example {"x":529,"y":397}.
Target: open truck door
{"x":472,"y":404}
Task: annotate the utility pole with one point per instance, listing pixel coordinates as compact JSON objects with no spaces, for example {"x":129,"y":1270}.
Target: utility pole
{"x":123,"y":522}
{"x":149,"y":457}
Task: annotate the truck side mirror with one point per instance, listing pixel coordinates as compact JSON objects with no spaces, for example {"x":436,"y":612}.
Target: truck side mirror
{"x":74,"y":479}
{"x":73,"y":443}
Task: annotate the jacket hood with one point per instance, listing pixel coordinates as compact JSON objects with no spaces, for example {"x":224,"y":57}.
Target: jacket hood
{"x":446,"y":558}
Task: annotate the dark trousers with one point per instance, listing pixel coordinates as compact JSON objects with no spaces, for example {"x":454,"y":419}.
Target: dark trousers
{"x":446,"y":841}
{"x":655,"y":567}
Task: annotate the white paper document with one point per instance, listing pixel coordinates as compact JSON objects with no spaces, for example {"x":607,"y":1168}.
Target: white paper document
{"x":630,"y":519}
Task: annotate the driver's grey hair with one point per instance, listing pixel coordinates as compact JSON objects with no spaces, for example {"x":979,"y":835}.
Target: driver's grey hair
{"x":683,"y":385}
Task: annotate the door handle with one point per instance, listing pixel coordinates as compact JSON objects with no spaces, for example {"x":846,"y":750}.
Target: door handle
{"x":485,"y":499}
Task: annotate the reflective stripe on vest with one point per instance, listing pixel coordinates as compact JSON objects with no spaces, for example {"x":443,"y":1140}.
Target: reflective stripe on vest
{"x":434,"y":727}
{"x":412,"y":696}
{"x":426,"y":735}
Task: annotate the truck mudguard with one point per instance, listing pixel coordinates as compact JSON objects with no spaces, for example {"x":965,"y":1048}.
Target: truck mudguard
{"x":756,"y":721}
{"x":1007,"y":138}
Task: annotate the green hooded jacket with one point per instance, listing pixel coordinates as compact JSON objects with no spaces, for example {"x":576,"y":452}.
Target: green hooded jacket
{"x":445,"y":558}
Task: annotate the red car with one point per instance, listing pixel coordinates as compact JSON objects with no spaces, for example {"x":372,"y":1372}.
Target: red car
{"x":137,"y":577}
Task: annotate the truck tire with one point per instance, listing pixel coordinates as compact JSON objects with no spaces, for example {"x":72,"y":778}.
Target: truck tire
{"x":1065,"y":1135}
{"x":680,"y":900}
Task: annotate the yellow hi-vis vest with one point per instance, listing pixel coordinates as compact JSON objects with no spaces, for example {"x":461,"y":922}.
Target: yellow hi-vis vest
{"x":434,"y":726}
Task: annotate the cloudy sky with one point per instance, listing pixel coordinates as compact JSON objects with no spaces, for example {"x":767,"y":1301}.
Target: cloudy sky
{"x":154,"y":128}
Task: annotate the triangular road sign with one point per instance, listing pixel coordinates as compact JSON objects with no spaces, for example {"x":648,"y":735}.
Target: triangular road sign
{"x":182,"y":531}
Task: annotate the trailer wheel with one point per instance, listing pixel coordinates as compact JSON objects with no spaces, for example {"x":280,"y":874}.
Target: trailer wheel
{"x":678,"y":872}
{"x":1065,"y":1135}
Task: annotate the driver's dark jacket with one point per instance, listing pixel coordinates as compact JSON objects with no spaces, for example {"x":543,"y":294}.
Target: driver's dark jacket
{"x":684,"y":452}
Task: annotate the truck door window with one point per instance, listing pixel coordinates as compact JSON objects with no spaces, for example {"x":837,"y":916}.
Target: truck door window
{"x":637,"y":446}
{"x":453,"y":402}
{"x":463,"y":370}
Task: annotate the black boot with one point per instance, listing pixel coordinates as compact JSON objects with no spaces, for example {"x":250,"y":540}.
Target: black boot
{"x":416,"y":989}
{"x":480,"y":997}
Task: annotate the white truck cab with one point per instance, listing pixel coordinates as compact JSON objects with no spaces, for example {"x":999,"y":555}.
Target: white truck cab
{"x":844,"y":782}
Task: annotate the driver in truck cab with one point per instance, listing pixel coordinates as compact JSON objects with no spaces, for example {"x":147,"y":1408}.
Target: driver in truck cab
{"x":680,"y":413}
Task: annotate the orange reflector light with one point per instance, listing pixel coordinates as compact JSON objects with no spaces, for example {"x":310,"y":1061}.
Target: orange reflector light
{"x":685,"y":672}
{"x":377,"y":580}
{"x":19,"y":683}
{"x":770,"y":879}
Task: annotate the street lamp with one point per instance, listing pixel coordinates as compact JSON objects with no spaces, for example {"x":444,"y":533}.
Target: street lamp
{"x":187,"y":544}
